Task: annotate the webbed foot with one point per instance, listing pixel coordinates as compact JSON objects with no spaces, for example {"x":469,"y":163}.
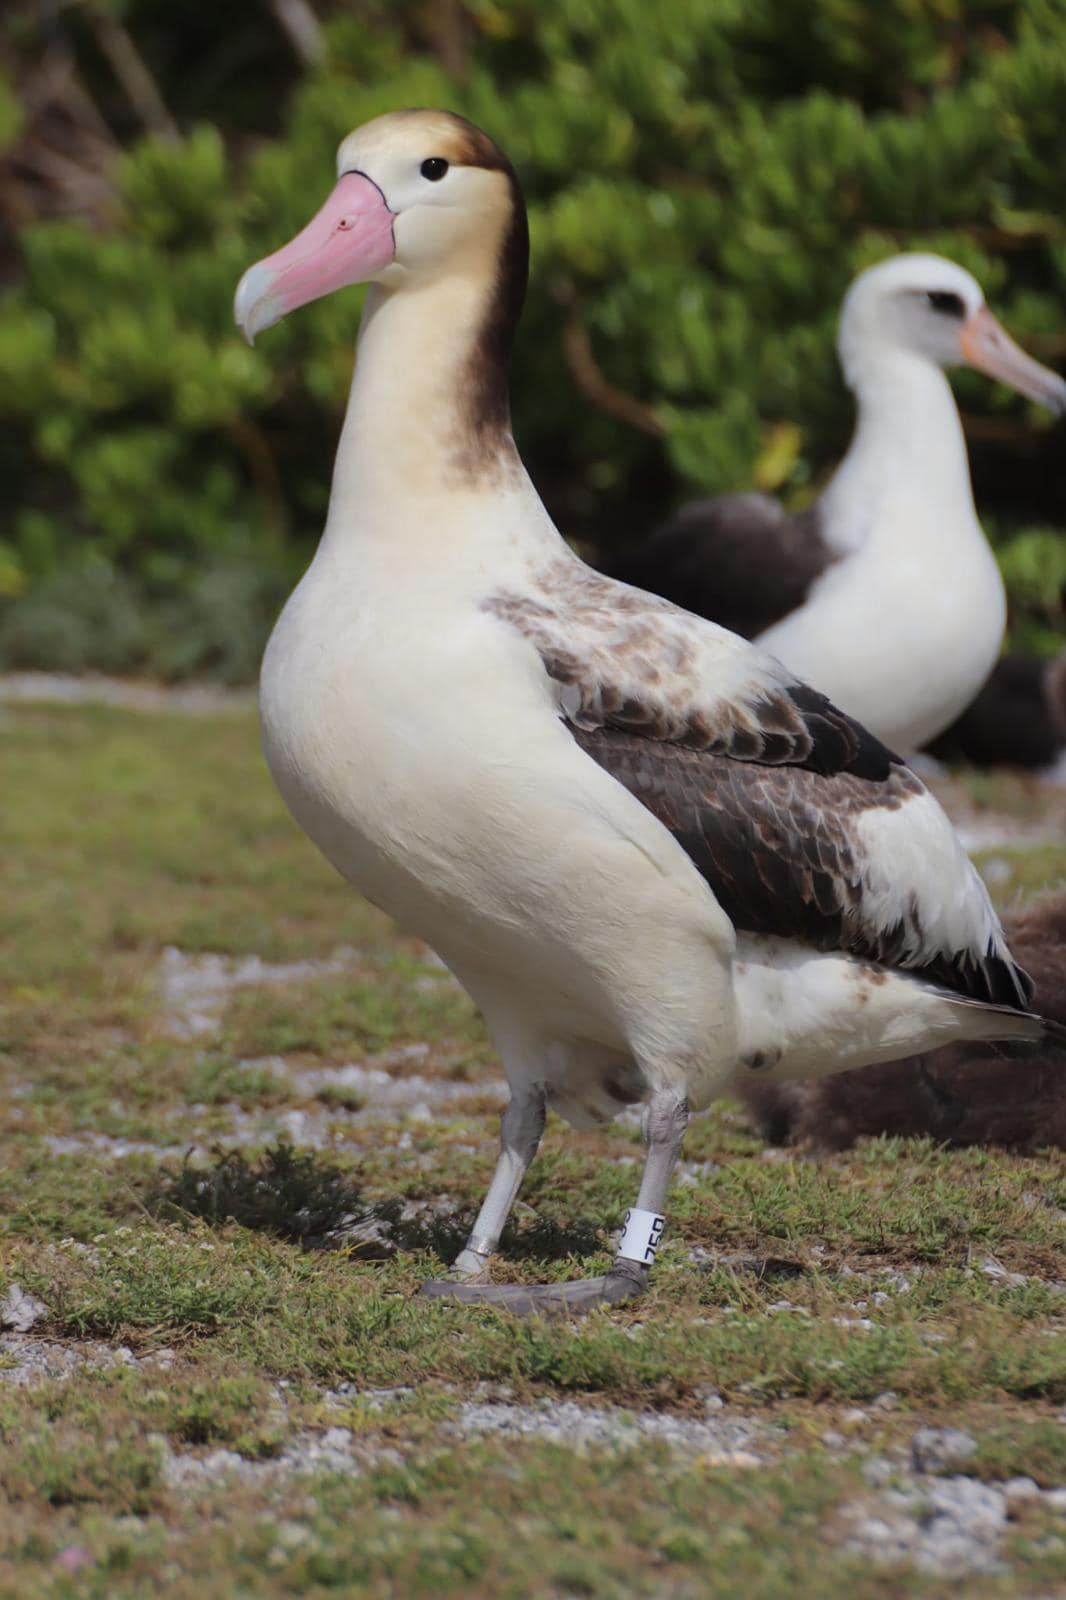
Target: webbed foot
{"x":625,"y":1280}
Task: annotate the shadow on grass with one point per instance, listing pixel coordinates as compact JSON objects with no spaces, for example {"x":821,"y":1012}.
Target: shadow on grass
{"x":285,"y":1192}
{"x":302,"y":1198}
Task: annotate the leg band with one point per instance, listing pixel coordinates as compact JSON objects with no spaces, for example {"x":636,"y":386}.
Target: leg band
{"x":641,"y":1235}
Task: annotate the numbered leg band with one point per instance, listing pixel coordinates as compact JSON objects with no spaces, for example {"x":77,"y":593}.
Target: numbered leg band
{"x":641,"y":1235}
{"x":481,"y":1246}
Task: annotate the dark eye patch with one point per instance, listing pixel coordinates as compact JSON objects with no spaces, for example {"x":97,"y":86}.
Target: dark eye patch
{"x":952,"y":305}
{"x":434,"y":168}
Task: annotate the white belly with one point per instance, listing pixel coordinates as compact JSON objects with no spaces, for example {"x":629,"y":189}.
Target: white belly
{"x":474,"y":819}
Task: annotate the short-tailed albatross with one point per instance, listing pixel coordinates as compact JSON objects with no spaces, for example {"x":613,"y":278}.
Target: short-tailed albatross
{"x":652,"y":856}
{"x":885,"y":593}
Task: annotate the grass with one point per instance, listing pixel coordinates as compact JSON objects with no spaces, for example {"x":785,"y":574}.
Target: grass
{"x":248,"y":1286}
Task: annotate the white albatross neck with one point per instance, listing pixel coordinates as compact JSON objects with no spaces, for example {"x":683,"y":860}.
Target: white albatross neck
{"x":907,"y":452}
{"x":411,"y":473}
{"x":904,"y":628}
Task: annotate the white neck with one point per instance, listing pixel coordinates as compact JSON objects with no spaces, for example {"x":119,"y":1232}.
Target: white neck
{"x":416,"y":444}
{"x":907,"y":451}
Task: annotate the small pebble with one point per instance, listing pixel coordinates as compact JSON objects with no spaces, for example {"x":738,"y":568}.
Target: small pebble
{"x":935,"y":1449}
{"x":292,"y":1534}
{"x":19,"y":1310}
{"x":993,"y":1269}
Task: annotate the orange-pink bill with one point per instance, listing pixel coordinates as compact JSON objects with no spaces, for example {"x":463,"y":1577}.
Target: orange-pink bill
{"x":988,"y":346}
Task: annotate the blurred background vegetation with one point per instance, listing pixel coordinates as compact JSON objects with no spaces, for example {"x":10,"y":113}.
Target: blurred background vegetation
{"x":705,"y":177}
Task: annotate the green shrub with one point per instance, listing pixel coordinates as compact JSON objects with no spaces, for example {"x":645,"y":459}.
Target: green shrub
{"x":704,"y":179}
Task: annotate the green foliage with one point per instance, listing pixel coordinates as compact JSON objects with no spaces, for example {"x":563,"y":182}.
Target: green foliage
{"x":1038,"y":1450}
{"x":177,"y":193}
{"x":10,"y":113}
{"x":69,"y":1466}
{"x":1034,"y":565}
{"x":704,"y":181}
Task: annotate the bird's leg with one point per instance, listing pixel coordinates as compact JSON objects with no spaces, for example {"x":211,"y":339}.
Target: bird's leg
{"x":665,"y":1120}
{"x":521,"y":1127}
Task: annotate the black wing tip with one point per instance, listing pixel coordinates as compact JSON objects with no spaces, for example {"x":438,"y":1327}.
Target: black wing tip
{"x":999,"y":980}
{"x":1024,"y":983}
{"x":994,"y":979}
{"x":840,"y":743}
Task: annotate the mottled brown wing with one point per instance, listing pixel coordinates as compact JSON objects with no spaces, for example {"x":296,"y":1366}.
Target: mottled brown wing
{"x":739,"y":559}
{"x":633,"y":662}
{"x":778,"y":847}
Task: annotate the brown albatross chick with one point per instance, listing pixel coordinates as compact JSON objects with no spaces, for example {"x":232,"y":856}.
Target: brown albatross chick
{"x":963,"y":1094}
{"x":1017,"y":720}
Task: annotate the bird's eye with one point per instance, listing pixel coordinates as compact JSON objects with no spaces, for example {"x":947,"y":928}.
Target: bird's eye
{"x":434,"y":168}
{"x":943,"y":300}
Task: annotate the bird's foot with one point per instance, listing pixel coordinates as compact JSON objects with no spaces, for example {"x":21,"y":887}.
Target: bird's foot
{"x":625,"y":1280}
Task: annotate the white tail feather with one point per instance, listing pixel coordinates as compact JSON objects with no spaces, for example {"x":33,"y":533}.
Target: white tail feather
{"x":806,"y":1015}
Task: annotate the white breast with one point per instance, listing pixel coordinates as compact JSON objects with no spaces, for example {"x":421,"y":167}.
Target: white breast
{"x":904,"y":628}
{"x":903,"y":632}
{"x":420,"y":748}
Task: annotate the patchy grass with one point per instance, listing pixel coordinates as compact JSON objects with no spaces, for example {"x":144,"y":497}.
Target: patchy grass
{"x":659,"y":1527}
{"x":246,"y":1297}
{"x":1016,"y":872}
{"x":1034,"y":1450}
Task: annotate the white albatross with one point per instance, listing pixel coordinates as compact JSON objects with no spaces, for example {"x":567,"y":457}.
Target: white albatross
{"x":885,"y":593}
{"x":652,"y":856}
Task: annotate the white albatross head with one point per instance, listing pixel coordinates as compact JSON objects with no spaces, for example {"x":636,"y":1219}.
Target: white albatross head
{"x":931,"y":307}
{"x":419,"y":194}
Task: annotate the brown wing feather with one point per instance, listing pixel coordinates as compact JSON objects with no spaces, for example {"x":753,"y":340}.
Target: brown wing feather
{"x":740,"y":559}
{"x":777,"y":846}
{"x":761,"y":778}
